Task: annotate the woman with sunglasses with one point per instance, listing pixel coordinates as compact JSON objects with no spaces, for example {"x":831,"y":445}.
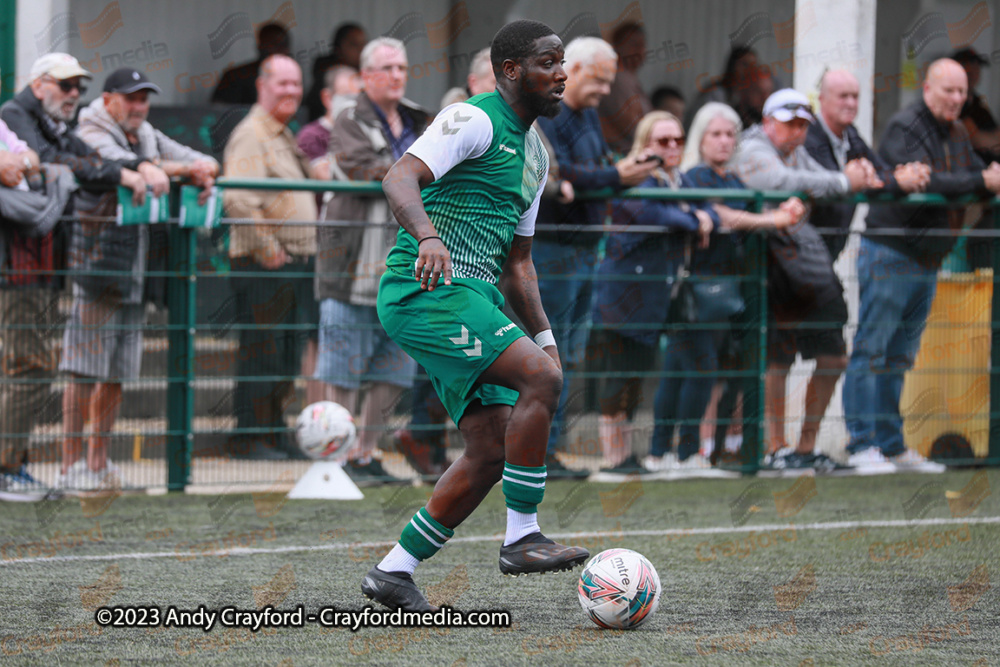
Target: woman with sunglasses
{"x":695,"y":352}
{"x":630,"y":306}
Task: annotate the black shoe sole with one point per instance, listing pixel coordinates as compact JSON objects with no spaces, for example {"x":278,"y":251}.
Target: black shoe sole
{"x":382,"y":604}
{"x":562,"y":567}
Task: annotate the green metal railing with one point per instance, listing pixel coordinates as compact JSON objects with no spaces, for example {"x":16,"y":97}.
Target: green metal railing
{"x":183,"y":291}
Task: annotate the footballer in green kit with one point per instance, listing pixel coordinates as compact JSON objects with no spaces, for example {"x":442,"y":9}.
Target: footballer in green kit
{"x":466,"y":196}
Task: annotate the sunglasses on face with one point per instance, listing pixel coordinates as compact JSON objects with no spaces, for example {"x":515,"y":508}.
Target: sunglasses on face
{"x":665,"y":142}
{"x":67,"y":86}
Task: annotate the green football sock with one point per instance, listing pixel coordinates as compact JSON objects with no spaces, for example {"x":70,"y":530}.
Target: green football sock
{"x":424,"y":536}
{"x":523,"y":487}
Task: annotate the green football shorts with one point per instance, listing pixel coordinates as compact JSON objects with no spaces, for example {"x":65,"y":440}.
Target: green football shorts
{"x":454,"y":332}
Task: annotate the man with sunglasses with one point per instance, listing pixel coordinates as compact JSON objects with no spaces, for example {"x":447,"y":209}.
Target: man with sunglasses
{"x":42,"y":116}
{"x":805,"y":297}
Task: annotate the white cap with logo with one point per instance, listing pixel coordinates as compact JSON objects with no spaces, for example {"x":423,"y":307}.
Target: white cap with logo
{"x":59,"y":66}
{"x":787,"y":104}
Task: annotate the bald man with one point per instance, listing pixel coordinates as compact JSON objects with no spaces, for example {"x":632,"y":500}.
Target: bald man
{"x":898,"y":274}
{"x":834,"y":141}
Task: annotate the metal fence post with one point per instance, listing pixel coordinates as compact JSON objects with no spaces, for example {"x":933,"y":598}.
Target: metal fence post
{"x":754,"y":347}
{"x":181,"y":303}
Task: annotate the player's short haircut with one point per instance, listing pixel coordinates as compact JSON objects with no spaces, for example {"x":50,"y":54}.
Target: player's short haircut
{"x":514,"y":41}
{"x":587,"y":50}
{"x":369,"y":51}
{"x":481,"y":64}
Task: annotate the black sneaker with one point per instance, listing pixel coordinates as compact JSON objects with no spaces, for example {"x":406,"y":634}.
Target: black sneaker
{"x":371,"y":473}
{"x":554,"y":469}
{"x":824,"y":464}
{"x":536,"y":554}
{"x":630,"y":466}
{"x":394,"y":590}
{"x":791,"y":461}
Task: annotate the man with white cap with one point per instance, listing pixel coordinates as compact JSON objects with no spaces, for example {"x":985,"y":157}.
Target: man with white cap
{"x":41,"y":116}
{"x":110,"y":262}
{"x":805,"y":297}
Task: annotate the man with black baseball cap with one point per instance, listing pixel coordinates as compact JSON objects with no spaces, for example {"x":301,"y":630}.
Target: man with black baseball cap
{"x":111,"y":262}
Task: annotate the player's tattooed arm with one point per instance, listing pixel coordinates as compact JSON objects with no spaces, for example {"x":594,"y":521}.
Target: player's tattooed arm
{"x":402,"y":186}
{"x":519,"y":283}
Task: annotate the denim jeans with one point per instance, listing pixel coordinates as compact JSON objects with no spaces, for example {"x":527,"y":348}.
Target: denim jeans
{"x":895,"y":298}
{"x":566,"y":284}
{"x":684,"y":399}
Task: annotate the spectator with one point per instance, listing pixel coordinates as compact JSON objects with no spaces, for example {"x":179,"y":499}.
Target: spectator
{"x":354,"y":349}
{"x":976,"y":116}
{"x":348,"y":40}
{"x":622,"y":108}
{"x":115,"y":126}
{"x":238,"y":84}
{"x":622,"y":303}
{"x":423,"y":442}
{"x":343,"y":83}
{"x":41,"y":115}
{"x":833,"y":141}
{"x":480,"y":80}
{"x":262,"y":146}
{"x":342,"y":86}
{"x":744,"y":85}
{"x":899,"y":272}
{"x":805,"y":296}
{"x":668,"y":98}
{"x":27,"y":352}
{"x":567,"y":259}
{"x":693,"y":352}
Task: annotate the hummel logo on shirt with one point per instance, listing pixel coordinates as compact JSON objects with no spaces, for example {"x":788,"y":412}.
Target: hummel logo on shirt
{"x":509,"y":150}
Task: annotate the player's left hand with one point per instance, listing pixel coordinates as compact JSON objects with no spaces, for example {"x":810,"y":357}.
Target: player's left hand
{"x":433,"y":263}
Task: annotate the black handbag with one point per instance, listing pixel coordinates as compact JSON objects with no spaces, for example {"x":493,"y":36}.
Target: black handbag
{"x":702,"y":301}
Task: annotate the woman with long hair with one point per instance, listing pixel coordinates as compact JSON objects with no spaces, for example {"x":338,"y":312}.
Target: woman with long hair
{"x":630,"y":306}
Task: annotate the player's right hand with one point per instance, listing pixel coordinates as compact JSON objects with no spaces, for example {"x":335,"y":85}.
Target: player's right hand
{"x":433,"y":263}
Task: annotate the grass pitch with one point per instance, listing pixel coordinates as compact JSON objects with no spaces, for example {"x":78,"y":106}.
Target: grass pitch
{"x":815,"y":571}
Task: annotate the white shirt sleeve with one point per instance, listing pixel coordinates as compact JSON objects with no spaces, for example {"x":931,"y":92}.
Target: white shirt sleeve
{"x":526,"y":225}
{"x":460,"y":132}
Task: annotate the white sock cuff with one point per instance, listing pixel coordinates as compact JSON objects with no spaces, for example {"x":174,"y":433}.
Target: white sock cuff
{"x":519,"y":524}
{"x":399,"y":560}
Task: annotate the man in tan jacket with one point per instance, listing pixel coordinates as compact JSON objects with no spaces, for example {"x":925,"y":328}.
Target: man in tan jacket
{"x":269,"y":237}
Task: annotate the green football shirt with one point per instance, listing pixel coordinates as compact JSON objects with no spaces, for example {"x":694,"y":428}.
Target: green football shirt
{"x":489,"y":170}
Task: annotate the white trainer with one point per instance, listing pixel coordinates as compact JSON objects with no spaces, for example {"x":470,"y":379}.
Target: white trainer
{"x":912,"y":461}
{"x":871,"y":461}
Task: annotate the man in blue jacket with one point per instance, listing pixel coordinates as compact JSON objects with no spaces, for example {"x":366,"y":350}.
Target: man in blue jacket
{"x":586,"y":161}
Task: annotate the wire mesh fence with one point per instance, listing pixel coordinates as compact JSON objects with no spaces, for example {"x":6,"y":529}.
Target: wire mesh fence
{"x":229,"y":352}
